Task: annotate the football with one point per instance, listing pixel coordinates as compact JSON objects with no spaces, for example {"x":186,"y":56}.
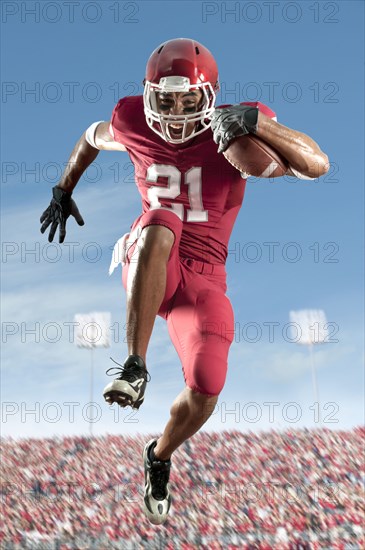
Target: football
{"x":255,"y":157}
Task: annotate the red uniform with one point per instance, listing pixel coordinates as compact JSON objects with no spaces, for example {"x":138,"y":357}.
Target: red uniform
{"x":197,"y":194}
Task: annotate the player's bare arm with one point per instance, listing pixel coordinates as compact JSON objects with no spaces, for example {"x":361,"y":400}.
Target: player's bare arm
{"x":96,"y":137}
{"x":62,"y":206}
{"x":303,"y":155}
{"x":302,"y":152}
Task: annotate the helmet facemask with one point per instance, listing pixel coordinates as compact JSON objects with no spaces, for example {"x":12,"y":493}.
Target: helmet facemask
{"x":159,"y":122}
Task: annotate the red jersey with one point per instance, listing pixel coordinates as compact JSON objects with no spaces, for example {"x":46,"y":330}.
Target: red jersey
{"x":191,"y":179}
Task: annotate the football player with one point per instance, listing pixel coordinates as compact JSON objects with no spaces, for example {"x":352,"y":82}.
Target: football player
{"x":175,"y":252}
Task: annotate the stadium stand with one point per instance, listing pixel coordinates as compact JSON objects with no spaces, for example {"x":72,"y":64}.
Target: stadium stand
{"x":289,"y":490}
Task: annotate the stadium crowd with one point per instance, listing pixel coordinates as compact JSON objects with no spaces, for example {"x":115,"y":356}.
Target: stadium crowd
{"x":290,"y":490}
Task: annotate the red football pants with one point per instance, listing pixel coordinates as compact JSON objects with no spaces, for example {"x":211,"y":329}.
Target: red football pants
{"x":199,"y":315}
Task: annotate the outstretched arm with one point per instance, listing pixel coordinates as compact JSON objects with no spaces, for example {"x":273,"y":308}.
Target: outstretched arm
{"x":86,"y":150}
{"x":302,"y":153}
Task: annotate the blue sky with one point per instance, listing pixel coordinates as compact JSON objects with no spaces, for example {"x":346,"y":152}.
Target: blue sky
{"x":304,"y":60}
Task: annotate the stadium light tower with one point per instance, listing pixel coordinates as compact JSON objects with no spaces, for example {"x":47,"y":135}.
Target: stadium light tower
{"x":309,"y":327}
{"x":92,"y":330}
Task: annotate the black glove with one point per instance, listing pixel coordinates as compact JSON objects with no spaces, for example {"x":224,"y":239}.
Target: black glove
{"x":231,"y":122}
{"x":61,"y":207}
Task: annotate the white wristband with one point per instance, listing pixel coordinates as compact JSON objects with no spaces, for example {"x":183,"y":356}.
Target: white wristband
{"x":90,"y":134}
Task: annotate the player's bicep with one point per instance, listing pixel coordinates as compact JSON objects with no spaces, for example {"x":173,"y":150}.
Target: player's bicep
{"x":104,"y":140}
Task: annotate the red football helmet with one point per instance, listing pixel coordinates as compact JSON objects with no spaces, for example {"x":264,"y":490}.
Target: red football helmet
{"x":180,"y":65}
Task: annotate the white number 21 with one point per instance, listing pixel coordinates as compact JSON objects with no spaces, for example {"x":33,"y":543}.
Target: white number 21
{"x":193,"y":179}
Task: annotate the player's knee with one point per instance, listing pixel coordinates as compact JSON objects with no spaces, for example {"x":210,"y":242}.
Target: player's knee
{"x":156,"y":240}
{"x":207,"y":390}
{"x":207,"y":372}
{"x":207,"y":387}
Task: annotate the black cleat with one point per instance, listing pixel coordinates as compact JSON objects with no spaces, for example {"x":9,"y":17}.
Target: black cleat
{"x":157,"y":499}
{"x":129,"y":387}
